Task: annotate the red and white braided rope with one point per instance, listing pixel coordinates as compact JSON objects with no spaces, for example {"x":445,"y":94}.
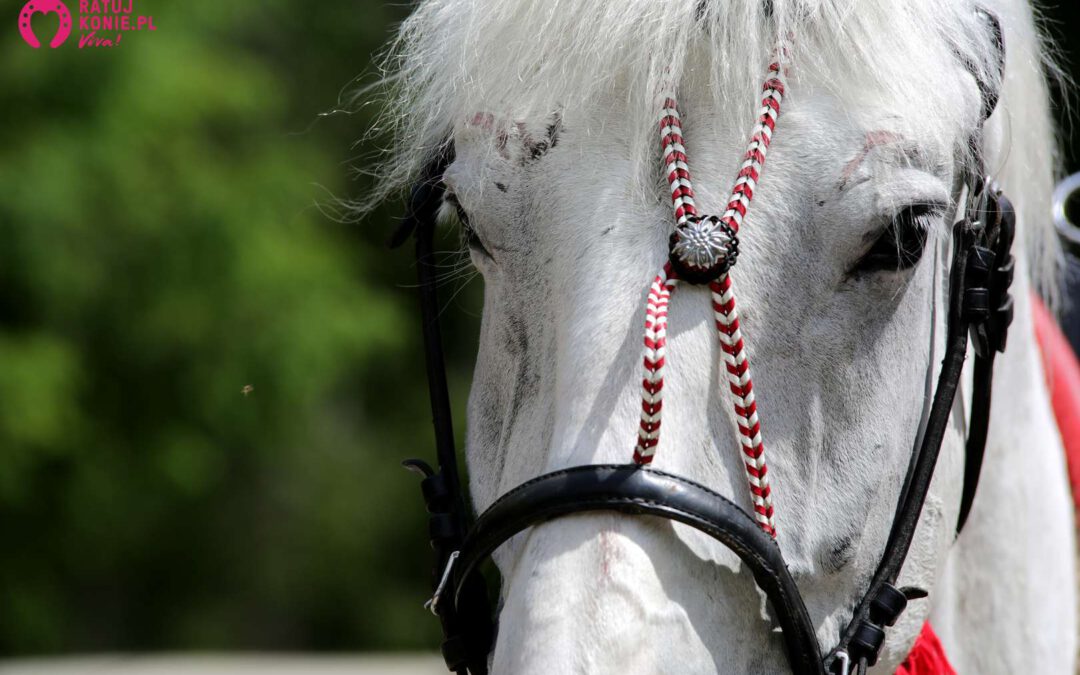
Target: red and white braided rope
{"x":675,"y":162}
{"x":652,"y":386}
{"x":733,"y":348}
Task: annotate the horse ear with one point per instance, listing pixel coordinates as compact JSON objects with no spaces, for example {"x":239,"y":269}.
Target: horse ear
{"x":990,"y":76}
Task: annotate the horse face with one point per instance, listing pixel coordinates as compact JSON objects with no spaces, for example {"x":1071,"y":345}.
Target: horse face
{"x":840,"y":280}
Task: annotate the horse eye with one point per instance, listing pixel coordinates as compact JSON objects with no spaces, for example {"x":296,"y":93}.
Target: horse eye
{"x":467,"y":232}
{"x":900,"y":246}
{"x":459,"y":212}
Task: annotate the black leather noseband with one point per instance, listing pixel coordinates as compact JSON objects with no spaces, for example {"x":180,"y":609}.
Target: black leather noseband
{"x":633,"y":490}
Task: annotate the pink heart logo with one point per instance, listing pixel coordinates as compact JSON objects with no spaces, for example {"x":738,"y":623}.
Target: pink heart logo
{"x":44,"y":7}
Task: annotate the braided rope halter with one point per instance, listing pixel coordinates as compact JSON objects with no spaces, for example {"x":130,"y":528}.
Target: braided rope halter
{"x":703,"y":249}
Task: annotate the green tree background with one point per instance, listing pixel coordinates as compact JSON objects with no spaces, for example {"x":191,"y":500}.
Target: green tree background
{"x":160,"y":250}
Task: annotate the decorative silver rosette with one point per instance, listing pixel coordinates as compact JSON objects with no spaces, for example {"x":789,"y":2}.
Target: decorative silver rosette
{"x":703,"y":248}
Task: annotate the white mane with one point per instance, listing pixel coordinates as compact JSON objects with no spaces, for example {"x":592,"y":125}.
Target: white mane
{"x":527,"y":59}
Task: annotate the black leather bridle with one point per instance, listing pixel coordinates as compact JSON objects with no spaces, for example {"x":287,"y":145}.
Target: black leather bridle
{"x":980,"y":311}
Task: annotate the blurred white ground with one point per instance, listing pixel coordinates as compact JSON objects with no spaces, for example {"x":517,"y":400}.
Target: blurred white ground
{"x":228,"y":665}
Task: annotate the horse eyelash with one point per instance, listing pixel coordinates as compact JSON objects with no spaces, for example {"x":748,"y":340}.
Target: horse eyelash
{"x":924,"y":215}
{"x":921,"y":218}
{"x":451,"y":211}
{"x":901,"y":244}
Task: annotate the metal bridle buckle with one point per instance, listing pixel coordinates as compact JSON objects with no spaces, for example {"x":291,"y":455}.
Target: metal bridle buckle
{"x":432,"y":605}
{"x":845,"y":662}
{"x":977,"y":209}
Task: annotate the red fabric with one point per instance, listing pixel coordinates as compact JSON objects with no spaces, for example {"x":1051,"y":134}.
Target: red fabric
{"x":927,"y":657}
{"x":1062,"y":371}
{"x":1063,"y":378}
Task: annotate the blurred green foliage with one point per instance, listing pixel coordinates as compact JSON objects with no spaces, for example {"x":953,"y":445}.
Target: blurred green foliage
{"x":160,"y":251}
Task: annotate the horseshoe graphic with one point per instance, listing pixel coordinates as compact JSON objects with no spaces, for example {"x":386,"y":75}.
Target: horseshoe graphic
{"x":44,"y":6}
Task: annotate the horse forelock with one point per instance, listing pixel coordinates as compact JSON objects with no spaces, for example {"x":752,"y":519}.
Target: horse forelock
{"x":525,"y":60}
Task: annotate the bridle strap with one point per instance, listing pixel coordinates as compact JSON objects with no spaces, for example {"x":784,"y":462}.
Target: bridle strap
{"x":635,"y":490}
{"x":865,"y":634}
{"x":467,"y":624}
{"x":989,"y":340}
{"x":980,"y":305}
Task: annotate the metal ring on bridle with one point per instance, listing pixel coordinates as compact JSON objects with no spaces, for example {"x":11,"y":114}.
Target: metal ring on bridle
{"x":1067,"y":230}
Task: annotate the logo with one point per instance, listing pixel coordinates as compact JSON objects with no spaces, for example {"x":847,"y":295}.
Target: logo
{"x":102,"y":23}
{"x":44,"y":7}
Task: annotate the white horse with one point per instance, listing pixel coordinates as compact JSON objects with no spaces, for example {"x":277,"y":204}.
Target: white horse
{"x":551,"y":106}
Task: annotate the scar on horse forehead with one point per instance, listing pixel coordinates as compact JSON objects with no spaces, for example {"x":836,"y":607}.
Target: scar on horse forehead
{"x":505,"y":131}
{"x":906,"y":150}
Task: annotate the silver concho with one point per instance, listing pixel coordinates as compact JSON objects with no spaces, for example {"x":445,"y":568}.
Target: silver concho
{"x":702,"y":249}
